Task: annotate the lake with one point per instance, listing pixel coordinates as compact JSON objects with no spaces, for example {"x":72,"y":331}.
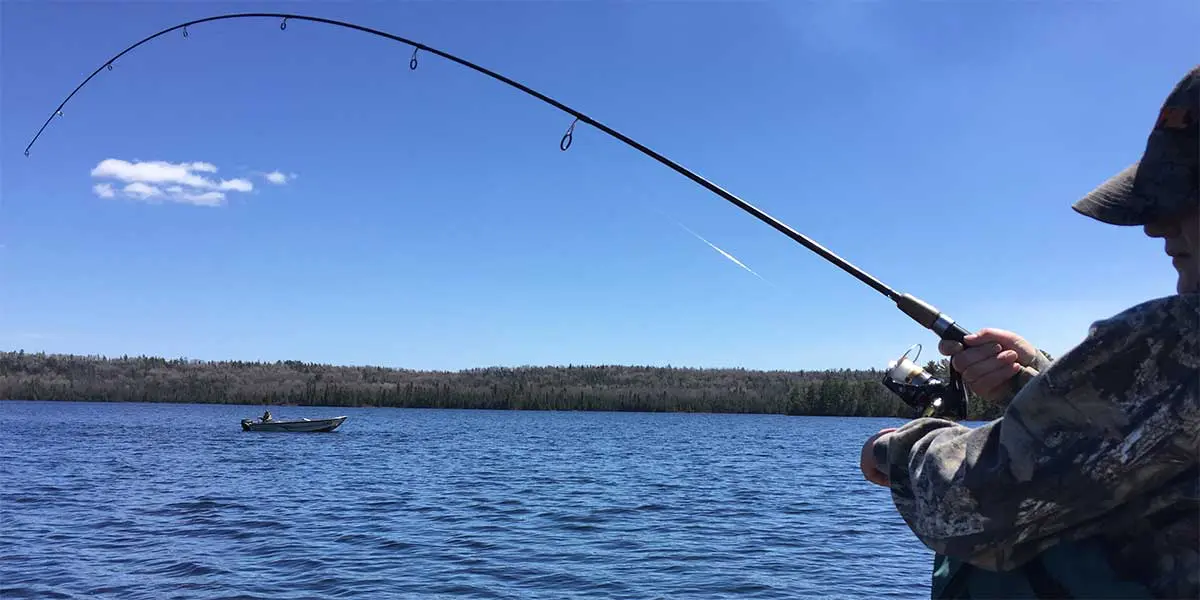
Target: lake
{"x":176,"y":501}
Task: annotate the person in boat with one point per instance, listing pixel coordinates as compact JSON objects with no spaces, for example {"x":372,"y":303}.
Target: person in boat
{"x":1088,"y":484}
{"x":266,"y":416}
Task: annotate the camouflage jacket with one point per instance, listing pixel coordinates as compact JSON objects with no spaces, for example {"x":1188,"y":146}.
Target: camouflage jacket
{"x":1103,"y":444}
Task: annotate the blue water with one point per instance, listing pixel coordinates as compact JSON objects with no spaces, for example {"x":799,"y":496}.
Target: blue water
{"x":175,"y":501}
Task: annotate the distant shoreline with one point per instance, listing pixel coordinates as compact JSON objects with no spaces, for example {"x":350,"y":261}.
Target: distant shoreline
{"x":289,"y":407}
{"x":604,"y":388}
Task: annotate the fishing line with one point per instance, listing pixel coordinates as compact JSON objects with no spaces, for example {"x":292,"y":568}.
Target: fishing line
{"x":728,"y":255}
{"x":723,"y":252}
{"x":644,"y":202}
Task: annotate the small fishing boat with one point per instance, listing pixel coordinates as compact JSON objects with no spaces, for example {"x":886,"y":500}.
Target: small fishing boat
{"x":302,"y":425}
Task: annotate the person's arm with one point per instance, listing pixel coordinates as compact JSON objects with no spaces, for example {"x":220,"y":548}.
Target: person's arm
{"x":1093,"y":438}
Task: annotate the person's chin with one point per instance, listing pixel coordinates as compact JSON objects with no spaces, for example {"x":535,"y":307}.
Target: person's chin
{"x":1187,"y":285}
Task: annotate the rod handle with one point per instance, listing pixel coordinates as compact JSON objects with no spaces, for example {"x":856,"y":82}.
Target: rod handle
{"x":956,"y":333}
{"x":935,"y":320}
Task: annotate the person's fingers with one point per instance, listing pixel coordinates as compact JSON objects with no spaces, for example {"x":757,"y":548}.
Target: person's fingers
{"x":981,"y":338}
{"x":871,"y":472}
{"x":964,"y":360}
{"x":992,"y":381}
{"x":1009,"y":340}
{"x":982,"y":367}
{"x":867,"y":463}
{"x":991,"y":334}
{"x":984,"y":344}
{"x":974,"y":378}
{"x":877,"y":477}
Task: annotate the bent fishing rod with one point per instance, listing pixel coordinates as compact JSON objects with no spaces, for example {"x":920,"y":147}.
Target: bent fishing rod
{"x":927,"y":394}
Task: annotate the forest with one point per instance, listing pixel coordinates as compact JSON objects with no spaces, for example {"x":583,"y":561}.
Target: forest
{"x":40,"y":376}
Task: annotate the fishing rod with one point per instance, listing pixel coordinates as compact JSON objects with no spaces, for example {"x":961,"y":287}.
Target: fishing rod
{"x":928,"y":395}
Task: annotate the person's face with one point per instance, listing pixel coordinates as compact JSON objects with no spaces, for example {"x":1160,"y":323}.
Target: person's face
{"x":1182,"y":236}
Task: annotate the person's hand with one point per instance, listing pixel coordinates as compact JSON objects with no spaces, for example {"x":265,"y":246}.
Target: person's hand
{"x":866,"y":461}
{"x":992,"y":357}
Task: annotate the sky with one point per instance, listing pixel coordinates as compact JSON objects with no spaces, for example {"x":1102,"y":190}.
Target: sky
{"x":253,"y":193}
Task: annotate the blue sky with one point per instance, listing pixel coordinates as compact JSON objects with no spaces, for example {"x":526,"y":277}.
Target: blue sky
{"x":433,"y":223}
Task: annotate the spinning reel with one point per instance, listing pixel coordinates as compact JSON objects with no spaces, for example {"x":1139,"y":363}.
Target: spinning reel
{"x":928,"y":395}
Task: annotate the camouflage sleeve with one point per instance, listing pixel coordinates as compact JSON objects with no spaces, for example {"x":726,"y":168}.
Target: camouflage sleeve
{"x":1088,"y":444}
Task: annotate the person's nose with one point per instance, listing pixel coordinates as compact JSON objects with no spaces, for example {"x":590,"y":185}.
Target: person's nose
{"x":1162,"y":229}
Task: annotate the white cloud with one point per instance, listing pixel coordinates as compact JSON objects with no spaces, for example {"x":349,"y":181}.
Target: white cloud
{"x":237,"y":185}
{"x":141,"y":190}
{"x":104,"y":190}
{"x":176,"y":182}
{"x":279,"y":178}
{"x":205,"y":199}
{"x":152,"y":172}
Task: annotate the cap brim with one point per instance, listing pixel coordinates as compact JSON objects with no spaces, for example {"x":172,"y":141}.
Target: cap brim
{"x":1113,"y":200}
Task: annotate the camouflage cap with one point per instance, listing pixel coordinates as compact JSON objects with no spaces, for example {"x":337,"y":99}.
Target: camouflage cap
{"x":1164,"y":183}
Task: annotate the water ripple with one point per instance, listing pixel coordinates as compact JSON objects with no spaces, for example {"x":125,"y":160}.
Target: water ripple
{"x":170,"y":501}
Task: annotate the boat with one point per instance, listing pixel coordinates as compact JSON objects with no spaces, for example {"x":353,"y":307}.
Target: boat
{"x":302,"y":425}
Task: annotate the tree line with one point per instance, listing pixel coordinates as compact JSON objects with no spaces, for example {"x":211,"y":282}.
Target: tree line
{"x":844,"y":392}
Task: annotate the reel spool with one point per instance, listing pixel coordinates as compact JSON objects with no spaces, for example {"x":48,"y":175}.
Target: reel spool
{"x":928,"y":395}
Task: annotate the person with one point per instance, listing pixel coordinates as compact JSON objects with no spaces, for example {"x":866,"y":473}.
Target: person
{"x":1088,"y":484}
{"x":266,"y":416}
